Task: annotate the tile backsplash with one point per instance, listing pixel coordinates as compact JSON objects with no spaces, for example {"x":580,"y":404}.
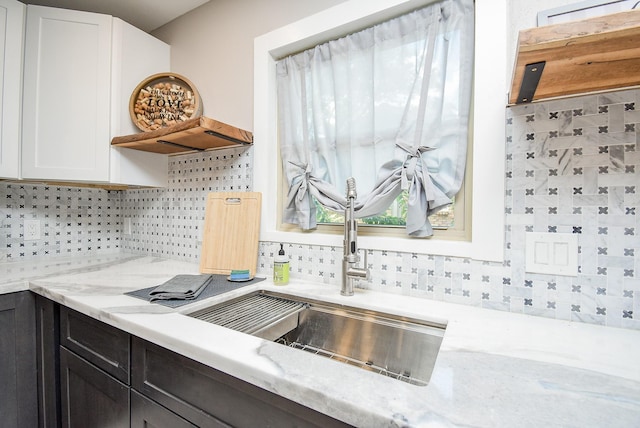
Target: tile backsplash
{"x":572,"y":166}
{"x":72,"y":221}
{"x":168,"y":222}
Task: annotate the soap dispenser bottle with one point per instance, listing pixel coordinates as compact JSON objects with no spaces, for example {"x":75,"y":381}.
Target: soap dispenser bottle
{"x":281,"y":268}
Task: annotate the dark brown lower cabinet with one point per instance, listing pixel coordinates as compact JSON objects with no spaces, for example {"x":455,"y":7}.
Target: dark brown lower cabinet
{"x":211,"y":398}
{"x":47,"y":358}
{"x":18,"y":392}
{"x":149,"y":414}
{"x":90,"y":397}
{"x":95,"y":375}
{"x":101,"y":344}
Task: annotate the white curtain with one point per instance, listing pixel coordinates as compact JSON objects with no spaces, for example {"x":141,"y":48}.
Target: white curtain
{"x":389,"y":106}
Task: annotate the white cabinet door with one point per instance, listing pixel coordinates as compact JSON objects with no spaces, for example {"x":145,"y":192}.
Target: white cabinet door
{"x":66,"y":104}
{"x":136,"y":56}
{"x":11,"y":36}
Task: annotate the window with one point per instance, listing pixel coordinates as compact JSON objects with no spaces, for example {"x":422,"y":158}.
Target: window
{"x":394,"y":216}
{"x":487,"y":184}
{"x":388,"y":105}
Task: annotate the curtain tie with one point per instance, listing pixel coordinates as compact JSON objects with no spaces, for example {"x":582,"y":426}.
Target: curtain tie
{"x":410,"y":167}
{"x":302,"y":179}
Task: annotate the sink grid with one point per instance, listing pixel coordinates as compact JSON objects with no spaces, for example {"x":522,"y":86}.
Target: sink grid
{"x":369,"y":366}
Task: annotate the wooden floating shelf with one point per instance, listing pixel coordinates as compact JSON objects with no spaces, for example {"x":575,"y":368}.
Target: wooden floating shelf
{"x":591,"y":55}
{"x":196,"y":134}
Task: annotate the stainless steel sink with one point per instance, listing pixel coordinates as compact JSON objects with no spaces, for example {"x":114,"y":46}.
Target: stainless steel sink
{"x":399,"y":347}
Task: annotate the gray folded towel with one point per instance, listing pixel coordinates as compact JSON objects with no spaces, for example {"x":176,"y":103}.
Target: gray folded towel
{"x":181,"y":287}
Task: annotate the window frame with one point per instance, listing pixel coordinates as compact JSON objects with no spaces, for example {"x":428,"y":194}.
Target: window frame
{"x":488,"y":127}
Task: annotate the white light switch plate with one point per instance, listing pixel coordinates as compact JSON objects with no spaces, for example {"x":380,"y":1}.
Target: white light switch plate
{"x":551,"y":253}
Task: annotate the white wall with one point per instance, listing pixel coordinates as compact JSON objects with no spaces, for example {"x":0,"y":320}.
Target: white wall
{"x":213,"y":47}
{"x":522,"y":14}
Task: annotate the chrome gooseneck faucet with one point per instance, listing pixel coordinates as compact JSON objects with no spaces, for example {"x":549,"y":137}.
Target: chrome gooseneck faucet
{"x":350,"y":270}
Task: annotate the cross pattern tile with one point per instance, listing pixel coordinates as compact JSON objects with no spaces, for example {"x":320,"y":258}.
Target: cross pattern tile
{"x":73,"y":221}
{"x":168,"y":222}
{"x":572,"y":166}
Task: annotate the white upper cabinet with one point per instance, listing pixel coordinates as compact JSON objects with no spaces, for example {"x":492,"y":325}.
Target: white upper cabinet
{"x":11,"y":33}
{"x":139,"y":55}
{"x":67,"y":81}
{"x":79,"y":72}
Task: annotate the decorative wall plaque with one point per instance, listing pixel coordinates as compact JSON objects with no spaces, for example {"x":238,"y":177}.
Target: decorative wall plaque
{"x":163,"y":100}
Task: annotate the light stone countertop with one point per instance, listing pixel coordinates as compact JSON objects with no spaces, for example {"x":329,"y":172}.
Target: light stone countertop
{"x":494,"y":369}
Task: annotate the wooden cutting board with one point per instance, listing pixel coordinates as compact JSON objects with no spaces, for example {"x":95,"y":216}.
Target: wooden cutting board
{"x":231,"y":232}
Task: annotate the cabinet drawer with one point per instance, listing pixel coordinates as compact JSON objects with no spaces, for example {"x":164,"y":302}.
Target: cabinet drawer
{"x":99,"y":343}
{"x":206,"y":396}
